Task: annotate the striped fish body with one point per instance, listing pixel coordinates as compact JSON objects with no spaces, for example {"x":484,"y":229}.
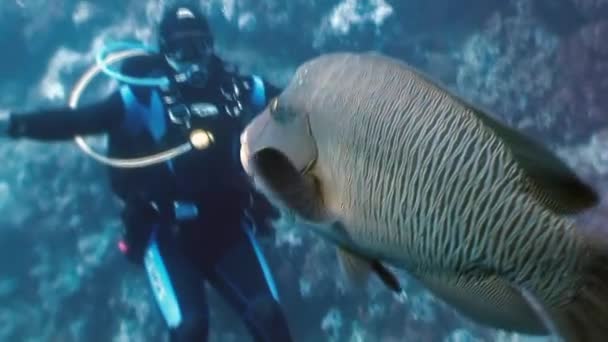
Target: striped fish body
{"x":414,"y":171}
{"x":420,"y":179}
{"x":417,"y":179}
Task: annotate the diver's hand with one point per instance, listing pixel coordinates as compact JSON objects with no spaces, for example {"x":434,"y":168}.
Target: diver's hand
{"x":5,"y":119}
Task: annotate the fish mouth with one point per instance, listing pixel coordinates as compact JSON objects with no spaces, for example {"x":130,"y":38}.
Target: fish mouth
{"x":272,"y":166}
{"x":293,"y":191}
{"x":274,"y":175}
{"x":270,"y":162}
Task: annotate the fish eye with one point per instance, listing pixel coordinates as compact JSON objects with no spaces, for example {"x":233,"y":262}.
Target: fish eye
{"x":282,"y":116}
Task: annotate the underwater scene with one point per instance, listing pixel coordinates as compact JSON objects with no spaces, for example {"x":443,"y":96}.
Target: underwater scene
{"x":304,"y":170}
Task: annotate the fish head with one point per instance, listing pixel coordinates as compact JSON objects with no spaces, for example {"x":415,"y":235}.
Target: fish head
{"x":278,"y":152}
{"x":278,"y":129}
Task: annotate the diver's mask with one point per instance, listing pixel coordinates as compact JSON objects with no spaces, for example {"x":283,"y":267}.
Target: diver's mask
{"x":189,"y":55}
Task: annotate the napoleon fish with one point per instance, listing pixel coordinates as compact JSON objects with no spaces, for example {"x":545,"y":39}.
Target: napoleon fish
{"x":395,"y":170}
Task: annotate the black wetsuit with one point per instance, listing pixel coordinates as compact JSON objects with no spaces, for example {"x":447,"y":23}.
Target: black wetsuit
{"x":189,"y":219}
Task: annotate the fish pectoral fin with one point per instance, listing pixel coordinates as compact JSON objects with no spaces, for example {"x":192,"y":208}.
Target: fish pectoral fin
{"x":552,"y":182}
{"x":358,"y":269}
{"x":387,"y":277}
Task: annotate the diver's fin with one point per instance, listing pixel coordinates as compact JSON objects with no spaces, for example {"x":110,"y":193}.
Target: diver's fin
{"x":552,"y":182}
{"x":356,"y":268}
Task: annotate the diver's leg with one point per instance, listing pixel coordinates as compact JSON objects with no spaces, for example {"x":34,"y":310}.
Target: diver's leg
{"x":177,"y":288}
{"x":243,"y":278}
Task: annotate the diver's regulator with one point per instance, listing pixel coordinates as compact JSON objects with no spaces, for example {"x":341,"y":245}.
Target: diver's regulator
{"x":179,"y":113}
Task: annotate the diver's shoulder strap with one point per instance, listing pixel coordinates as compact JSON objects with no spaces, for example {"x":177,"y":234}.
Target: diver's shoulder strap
{"x":258,"y":93}
{"x":142,"y":114}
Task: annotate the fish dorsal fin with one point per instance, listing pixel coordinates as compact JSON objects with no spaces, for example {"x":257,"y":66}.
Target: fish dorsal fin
{"x":552,"y":182}
{"x":358,"y":269}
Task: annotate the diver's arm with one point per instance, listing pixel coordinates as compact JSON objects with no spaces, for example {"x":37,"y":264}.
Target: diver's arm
{"x":65,"y":123}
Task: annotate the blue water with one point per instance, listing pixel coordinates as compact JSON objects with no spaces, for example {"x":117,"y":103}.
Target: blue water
{"x":61,"y":277}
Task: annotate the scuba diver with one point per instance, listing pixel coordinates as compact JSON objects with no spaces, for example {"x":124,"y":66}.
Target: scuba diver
{"x":191,"y":218}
